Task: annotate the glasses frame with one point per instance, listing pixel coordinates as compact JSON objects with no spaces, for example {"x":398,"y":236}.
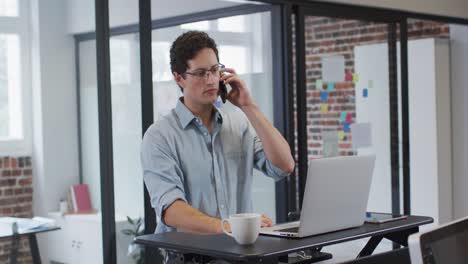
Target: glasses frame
{"x":203,"y":75}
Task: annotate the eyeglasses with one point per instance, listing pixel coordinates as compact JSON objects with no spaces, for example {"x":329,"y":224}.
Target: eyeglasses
{"x":203,"y":73}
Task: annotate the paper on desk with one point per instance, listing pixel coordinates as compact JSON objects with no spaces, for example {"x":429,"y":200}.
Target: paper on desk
{"x":28,"y":224}
{"x":361,"y":135}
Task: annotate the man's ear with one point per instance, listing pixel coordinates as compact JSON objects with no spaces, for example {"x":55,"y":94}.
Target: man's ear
{"x":179,"y":79}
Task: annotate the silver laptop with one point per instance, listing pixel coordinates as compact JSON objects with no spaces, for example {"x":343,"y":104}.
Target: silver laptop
{"x":335,"y":197}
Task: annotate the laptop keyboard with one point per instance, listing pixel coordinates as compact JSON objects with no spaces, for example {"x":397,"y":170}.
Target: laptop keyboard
{"x":289,"y":230}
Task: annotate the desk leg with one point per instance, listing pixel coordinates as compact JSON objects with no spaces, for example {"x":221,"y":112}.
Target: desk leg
{"x":36,"y":257}
{"x":400,"y":237}
{"x":370,"y":246}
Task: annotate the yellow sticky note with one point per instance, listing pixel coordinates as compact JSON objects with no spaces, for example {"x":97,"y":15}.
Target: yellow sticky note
{"x":355,"y":78}
{"x":324,"y":108}
{"x":340,"y":135}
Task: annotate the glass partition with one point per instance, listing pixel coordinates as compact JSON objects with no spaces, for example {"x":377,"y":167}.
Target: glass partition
{"x":126,"y":135}
{"x":348,"y":103}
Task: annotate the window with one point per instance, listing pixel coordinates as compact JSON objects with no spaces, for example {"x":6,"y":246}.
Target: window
{"x":9,"y":82}
{"x":14,"y":132}
{"x":9,"y":8}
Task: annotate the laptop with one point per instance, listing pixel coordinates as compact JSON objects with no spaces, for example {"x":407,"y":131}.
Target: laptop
{"x":335,"y":197}
{"x":447,"y":243}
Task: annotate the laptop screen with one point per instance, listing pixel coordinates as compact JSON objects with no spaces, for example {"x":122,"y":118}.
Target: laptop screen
{"x":448,"y":244}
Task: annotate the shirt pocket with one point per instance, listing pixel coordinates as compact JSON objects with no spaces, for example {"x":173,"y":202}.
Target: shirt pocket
{"x":232,"y":147}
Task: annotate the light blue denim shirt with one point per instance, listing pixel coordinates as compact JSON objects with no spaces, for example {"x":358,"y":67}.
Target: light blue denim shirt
{"x":211,"y":172}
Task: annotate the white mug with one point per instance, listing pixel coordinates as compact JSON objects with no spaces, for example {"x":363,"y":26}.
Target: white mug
{"x":244,"y":227}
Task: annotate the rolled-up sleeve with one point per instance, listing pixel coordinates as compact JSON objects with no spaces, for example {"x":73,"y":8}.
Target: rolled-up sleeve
{"x":161,"y":173}
{"x":261,"y":162}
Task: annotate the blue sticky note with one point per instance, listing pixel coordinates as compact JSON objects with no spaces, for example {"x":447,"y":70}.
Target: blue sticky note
{"x":346,"y":127}
{"x":343,"y":116}
{"x":323,"y":96}
{"x":364,"y":92}
{"x":331,"y":86}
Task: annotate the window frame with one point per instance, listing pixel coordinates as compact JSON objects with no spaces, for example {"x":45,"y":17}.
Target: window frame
{"x":19,"y":25}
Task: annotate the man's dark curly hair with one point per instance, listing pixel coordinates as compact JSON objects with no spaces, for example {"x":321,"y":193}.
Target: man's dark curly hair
{"x":186,"y":47}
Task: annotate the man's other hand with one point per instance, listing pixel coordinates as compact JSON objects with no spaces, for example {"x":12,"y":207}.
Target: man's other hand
{"x":266,"y":221}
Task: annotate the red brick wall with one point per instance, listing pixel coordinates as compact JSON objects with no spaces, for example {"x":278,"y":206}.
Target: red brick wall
{"x":329,"y":36}
{"x":15,"y":200}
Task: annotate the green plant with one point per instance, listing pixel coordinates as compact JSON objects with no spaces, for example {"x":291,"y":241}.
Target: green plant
{"x":135,"y":251}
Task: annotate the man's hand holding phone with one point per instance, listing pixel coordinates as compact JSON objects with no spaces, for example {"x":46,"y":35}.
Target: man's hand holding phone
{"x":238,"y":95}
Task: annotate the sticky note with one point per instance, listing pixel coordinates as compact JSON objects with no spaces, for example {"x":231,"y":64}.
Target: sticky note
{"x":324,"y":108}
{"x":370,"y":84}
{"x":340,"y":135}
{"x":331,"y":86}
{"x":343,"y":116}
{"x":333,"y":68}
{"x":330,"y":143}
{"x":345,"y":127}
{"x":361,"y":135}
{"x":318,"y":84}
{"x":355,"y":78}
{"x":218,"y":104}
{"x":349,"y":118}
{"x":323,"y":96}
{"x":348,"y":76}
{"x":364,"y":93}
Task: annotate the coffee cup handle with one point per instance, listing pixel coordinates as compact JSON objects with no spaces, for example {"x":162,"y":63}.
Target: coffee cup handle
{"x":224,"y":230}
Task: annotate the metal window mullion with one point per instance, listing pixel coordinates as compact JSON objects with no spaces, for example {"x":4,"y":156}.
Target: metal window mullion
{"x":105,"y":131}
{"x":405,"y":116}
{"x":301,"y":102}
{"x":394,"y":132}
{"x":289,"y":92}
{"x":147,"y":111}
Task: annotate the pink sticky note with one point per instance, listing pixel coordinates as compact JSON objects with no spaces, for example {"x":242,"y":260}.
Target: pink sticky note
{"x":349,"y":118}
{"x":348,"y":76}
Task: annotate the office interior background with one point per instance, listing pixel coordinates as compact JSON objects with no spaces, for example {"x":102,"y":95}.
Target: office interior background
{"x":52,"y":133}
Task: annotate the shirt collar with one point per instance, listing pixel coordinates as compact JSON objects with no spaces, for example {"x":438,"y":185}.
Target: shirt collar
{"x":186,"y":116}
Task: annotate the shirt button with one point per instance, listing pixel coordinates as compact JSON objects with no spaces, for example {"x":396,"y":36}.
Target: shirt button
{"x":222,"y":206}
{"x":198,"y":120}
{"x":205,"y":133}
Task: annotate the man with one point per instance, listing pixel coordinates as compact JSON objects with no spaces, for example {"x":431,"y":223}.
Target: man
{"x":198,"y":161}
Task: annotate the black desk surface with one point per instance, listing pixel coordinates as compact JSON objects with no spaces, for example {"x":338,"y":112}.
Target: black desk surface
{"x":223,"y":246}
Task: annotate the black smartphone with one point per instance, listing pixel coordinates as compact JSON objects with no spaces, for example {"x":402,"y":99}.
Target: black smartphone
{"x":222,"y":91}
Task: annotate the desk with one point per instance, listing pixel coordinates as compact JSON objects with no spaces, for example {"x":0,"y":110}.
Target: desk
{"x":269,"y":249}
{"x":6,"y":232}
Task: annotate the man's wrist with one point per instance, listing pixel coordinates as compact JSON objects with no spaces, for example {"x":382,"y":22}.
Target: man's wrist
{"x":226,"y":226}
{"x":249,"y":108}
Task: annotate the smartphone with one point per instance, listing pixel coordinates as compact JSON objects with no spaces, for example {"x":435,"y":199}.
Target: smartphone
{"x":222,"y":91}
{"x":380,"y":218}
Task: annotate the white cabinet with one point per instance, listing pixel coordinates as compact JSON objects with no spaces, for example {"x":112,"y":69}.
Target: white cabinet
{"x":80,"y":240}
